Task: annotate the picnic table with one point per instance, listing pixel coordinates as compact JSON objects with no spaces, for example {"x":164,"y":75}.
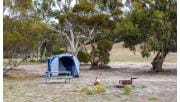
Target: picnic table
{"x":58,"y":75}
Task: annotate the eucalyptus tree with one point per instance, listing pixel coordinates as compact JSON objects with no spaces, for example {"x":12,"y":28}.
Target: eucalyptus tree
{"x":151,"y":23}
{"x":16,"y":16}
{"x":78,"y":23}
{"x":91,"y":23}
{"x":13,"y":13}
{"x":49,"y":11}
{"x":22,"y":31}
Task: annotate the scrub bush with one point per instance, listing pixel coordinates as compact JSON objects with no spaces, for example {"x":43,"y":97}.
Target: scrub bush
{"x":58,"y":51}
{"x":97,"y":89}
{"x":127,"y":89}
{"x":83,"y":57}
{"x":102,"y":53}
{"x":48,"y":54}
{"x":100,"y":88}
{"x":153,"y":99}
{"x":88,"y":91}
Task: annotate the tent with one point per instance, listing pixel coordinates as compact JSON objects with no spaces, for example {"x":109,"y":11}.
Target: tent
{"x":64,"y":62}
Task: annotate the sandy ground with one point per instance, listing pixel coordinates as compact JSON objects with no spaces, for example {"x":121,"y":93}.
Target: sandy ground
{"x":30,"y":85}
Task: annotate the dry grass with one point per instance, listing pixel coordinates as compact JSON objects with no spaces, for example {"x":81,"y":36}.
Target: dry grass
{"x":153,"y":99}
{"x":171,"y":58}
{"x":36,"y":90}
{"x":23,"y":84}
{"x":121,"y":54}
{"x":98,"y":89}
{"x":127,"y":89}
{"x":20,"y":75}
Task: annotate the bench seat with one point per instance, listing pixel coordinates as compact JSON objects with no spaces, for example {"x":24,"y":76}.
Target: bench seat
{"x":59,"y":75}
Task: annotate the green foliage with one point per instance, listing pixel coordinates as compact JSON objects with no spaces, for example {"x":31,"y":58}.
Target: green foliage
{"x":152,"y":23}
{"x":12,"y":38}
{"x":100,"y":88}
{"x":20,"y":6}
{"x":83,"y":6}
{"x":82,"y":19}
{"x":88,"y":91}
{"x":117,"y":12}
{"x":7,"y":2}
{"x":113,"y":5}
{"x":68,"y":16}
{"x":138,"y":5}
{"x":24,"y":36}
{"x":83,"y":57}
{"x":58,"y":51}
{"x":145,"y":53}
{"x":104,"y":45}
{"x":101,"y":53}
{"x":25,"y":4}
{"x":157,"y":14}
{"x":153,"y":99}
{"x":127,"y":89}
{"x":84,"y":89}
{"x":48,"y":54}
{"x":96,"y":90}
{"x":97,"y":19}
{"x":128,"y":32}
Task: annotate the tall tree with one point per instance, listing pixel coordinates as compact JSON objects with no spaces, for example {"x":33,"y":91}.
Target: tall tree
{"x":153,"y":25}
{"x":23,"y":33}
{"x":78,"y":24}
{"x":13,"y":11}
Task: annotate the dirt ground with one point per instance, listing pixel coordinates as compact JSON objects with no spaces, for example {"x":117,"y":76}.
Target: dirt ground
{"x":27,"y":84}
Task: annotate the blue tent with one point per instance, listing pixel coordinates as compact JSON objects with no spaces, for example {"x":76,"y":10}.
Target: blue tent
{"x":64,"y":62}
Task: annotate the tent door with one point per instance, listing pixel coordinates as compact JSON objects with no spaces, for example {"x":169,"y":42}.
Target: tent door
{"x":66,"y":64}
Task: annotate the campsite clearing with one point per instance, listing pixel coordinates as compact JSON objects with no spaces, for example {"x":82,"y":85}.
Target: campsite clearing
{"x":27,"y":84}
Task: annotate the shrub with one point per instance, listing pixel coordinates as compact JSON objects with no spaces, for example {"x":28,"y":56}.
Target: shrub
{"x":127,"y":89}
{"x":48,"y":54}
{"x":88,"y":91}
{"x":104,"y":45}
{"x":83,"y":57}
{"x":97,"y":89}
{"x":84,"y":89}
{"x":100,"y":88}
{"x":102,"y":54}
{"x":152,"y":98}
{"x":117,"y":12}
{"x":58,"y":51}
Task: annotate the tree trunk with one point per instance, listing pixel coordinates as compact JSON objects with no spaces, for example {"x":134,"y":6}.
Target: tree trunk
{"x":44,"y":53}
{"x":158,"y":61}
{"x":94,"y":65}
{"x":38,"y":53}
{"x":39,"y":50}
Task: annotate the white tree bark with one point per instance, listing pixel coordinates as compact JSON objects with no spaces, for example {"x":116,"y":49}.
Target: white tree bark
{"x":74,"y":38}
{"x":39,"y":48}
